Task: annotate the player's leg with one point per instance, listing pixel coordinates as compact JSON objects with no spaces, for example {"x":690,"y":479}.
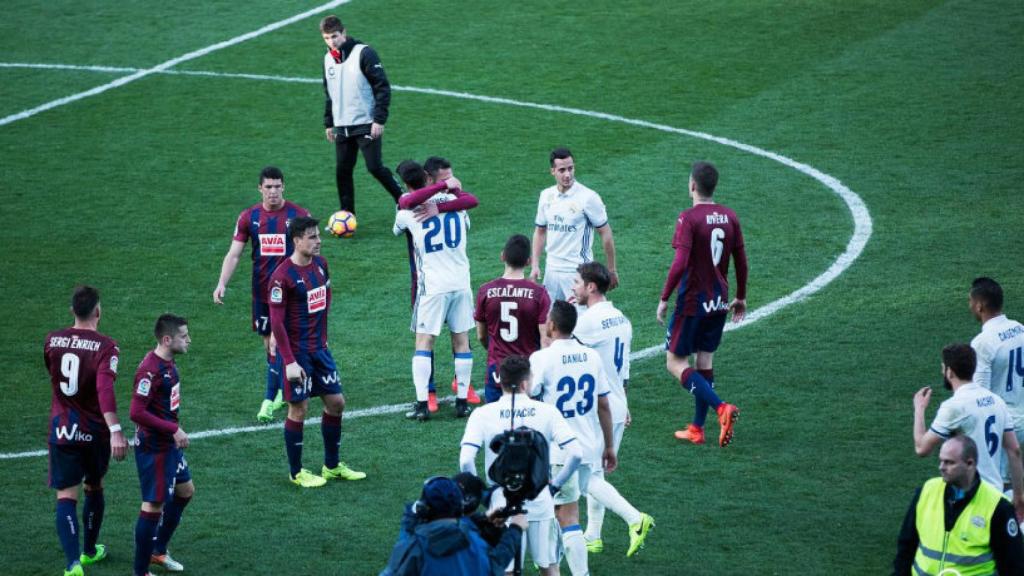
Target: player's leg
{"x":66,"y":473}
{"x":703,"y":362}
{"x":639,"y":523}
{"x":296,"y":393}
{"x":95,"y":504}
{"x":184,"y":489}
{"x":542,"y":539}
{"x":681,"y":343}
{"x":272,"y":399}
{"x":156,"y":481}
{"x":567,"y":512}
{"x":554,"y":284}
{"x":595,"y":509}
{"x":346,"y":151}
{"x":327,"y":385}
{"x":372,"y":155}
{"x":427,"y":317}
{"x":460,"y":321}
{"x":709,"y":336}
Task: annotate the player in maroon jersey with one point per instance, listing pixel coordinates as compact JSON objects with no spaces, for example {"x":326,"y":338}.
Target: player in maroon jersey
{"x":266,"y":226}
{"x":164,"y":475}
{"x":511,"y":313}
{"x":84,"y":428}
{"x":706,"y":235}
{"x":300,"y":300}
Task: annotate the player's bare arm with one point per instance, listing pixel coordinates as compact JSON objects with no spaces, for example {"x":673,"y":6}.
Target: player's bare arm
{"x":118,"y":444}
{"x":227,"y":270}
{"x":924,"y":440}
{"x":608,"y":242}
{"x":540,"y":235}
{"x":604,"y":414}
{"x":481,"y":333}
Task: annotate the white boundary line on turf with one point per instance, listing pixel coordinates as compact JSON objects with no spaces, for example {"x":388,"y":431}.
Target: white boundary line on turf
{"x":142,"y":73}
{"x":861,"y":217}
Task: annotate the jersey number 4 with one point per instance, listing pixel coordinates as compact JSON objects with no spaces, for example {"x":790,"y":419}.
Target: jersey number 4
{"x":451,"y":228}
{"x":567,"y":387}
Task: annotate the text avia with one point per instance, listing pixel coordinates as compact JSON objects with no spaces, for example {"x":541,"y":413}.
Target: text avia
{"x":272,"y":245}
{"x":316,"y":299}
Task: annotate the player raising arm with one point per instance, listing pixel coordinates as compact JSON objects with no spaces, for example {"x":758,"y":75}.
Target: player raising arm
{"x":84,"y":428}
{"x":706,"y":236}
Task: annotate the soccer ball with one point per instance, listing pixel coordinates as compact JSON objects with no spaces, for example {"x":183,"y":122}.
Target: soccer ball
{"x":342,"y":224}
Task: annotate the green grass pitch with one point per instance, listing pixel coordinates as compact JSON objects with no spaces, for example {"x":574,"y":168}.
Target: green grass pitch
{"x":916,"y":106}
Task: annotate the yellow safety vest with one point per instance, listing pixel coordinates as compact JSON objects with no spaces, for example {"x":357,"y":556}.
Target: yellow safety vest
{"x":963,"y":551}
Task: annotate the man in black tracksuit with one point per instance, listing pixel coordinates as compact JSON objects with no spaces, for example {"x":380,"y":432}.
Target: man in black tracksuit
{"x":356,"y":108}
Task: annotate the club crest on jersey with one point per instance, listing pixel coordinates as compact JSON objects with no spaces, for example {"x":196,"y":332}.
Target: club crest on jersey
{"x":316,"y":299}
{"x":176,"y":396}
{"x":143,"y":387}
{"x":272,"y":245}
{"x":276,"y":295}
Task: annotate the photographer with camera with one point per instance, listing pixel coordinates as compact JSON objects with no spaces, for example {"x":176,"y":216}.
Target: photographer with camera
{"x":518,"y":433}
{"x":436,"y":540}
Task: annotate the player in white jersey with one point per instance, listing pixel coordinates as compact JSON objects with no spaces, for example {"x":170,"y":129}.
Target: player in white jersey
{"x":573,"y":378}
{"x":443,"y":293}
{"x":567,"y":215}
{"x":494,"y":419}
{"x":973,"y":411}
{"x":605,"y":329}
{"x":1000,"y":350}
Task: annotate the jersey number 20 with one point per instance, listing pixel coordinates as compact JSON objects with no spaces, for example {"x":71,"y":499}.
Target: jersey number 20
{"x":452,"y":228}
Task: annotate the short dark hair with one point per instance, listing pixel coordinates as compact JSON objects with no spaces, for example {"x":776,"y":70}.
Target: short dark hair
{"x":513,"y":372}
{"x":434,"y":164}
{"x":331,"y":24}
{"x":988,"y":292}
{"x":84,"y":301}
{"x":563,"y":316}
{"x":960,"y":358}
{"x":168,"y":325}
{"x":412,"y":174}
{"x":969,"y":449}
{"x":705,"y":176}
{"x":517,"y":251}
{"x":271,"y":173}
{"x":597,"y":273}
{"x":560,"y":154}
{"x":299,"y":226}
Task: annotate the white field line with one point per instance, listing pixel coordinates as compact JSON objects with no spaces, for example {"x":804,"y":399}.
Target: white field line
{"x":861,"y":217}
{"x":168,"y":64}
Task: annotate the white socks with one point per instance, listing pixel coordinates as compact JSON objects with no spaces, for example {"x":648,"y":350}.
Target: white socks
{"x":463,"y":373}
{"x":421,"y":361}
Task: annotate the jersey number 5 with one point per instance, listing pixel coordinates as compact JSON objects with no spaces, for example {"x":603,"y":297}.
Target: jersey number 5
{"x":511,"y":333}
{"x":69,"y":364}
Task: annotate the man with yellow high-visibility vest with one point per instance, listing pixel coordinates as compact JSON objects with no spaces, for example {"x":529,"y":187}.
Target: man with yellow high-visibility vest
{"x":958,"y":525}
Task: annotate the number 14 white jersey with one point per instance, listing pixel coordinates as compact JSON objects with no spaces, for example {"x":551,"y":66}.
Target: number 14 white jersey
{"x":440,"y":243}
{"x":1000,"y":350}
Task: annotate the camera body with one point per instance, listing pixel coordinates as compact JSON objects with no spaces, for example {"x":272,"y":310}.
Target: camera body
{"x":522,"y":467}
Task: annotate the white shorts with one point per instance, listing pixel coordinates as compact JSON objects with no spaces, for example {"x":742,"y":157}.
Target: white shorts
{"x":433,"y":310}
{"x":559,"y":283}
{"x":574,"y":487}
{"x":543,"y":538}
